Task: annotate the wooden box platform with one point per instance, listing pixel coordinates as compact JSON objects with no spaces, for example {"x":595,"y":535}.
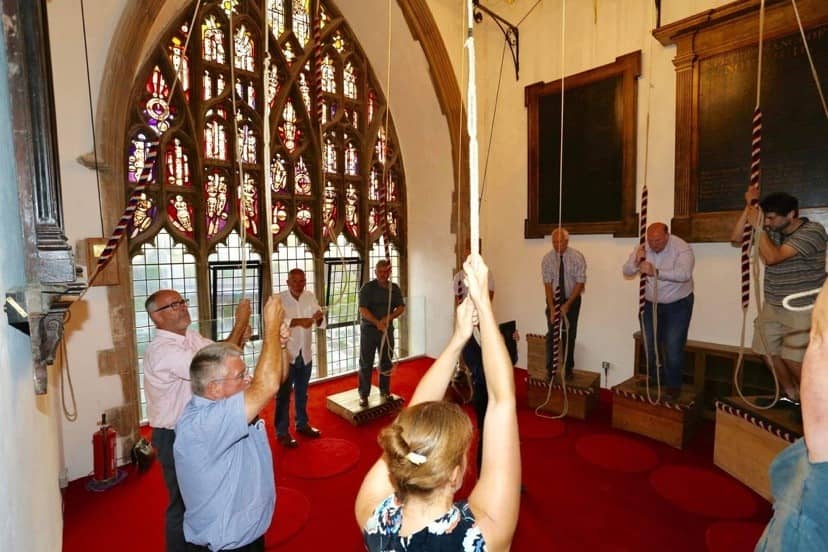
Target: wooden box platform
{"x":581,"y":391}
{"x":346,"y":405}
{"x":536,"y":356}
{"x":747,"y":440}
{"x":671,"y":422}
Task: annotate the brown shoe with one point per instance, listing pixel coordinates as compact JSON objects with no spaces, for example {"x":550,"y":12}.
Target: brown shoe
{"x":287,"y":441}
{"x":309,"y":431}
{"x":363,"y":402}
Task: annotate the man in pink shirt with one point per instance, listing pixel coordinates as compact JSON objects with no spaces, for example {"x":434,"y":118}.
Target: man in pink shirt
{"x":167,"y":387}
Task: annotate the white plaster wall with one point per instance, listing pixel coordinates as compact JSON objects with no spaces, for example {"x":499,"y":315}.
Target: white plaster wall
{"x":30,"y":501}
{"x":423,"y":133}
{"x":608,"y":314}
{"x":88,"y":330}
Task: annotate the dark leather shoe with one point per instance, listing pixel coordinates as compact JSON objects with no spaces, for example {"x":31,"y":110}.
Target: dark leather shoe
{"x":309,"y":431}
{"x":386,"y":397}
{"x":363,"y":402}
{"x":287,"y":441}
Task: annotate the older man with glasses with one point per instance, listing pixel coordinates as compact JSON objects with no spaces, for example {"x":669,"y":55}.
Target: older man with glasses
{"x":222,"y":455}
{"x":167,"y":387}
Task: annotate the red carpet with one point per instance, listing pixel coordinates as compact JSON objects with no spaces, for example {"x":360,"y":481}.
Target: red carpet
{"x":569,"y":504}
{"x":531,"y":426}
{"x":617,"y":453}
{"x":320,"y":458}
{"x":292,"y":511}
{"x":733,"y":536}
{"x":704,"y":492}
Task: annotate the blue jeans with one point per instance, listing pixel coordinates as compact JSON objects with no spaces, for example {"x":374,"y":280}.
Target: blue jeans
{"x":673,"y":323}
{"x":298,"y":377}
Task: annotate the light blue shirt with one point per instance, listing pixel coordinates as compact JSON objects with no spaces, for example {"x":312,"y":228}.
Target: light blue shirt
{"x":225,"y":473}
{"x":675,"y":271}
{"x":800,"y":507}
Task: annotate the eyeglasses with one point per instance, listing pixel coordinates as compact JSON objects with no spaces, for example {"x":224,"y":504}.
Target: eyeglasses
{"x":175,"y":305}
{"x":245,"y":374}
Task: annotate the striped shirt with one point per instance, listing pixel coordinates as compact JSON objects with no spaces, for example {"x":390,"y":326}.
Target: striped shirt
{"x":802,"y":272}
{"x":574,"y":269}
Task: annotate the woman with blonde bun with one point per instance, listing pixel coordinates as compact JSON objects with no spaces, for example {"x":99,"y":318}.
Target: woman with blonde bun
{"x":406,"y":501}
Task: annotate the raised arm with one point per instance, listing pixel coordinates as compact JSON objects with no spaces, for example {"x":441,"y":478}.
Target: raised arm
{"x":269,"y":369}
{"x":433,"y":385}
{"x":814,"y":385}
{"x":496,"y":497}
{"x":241,"y":326}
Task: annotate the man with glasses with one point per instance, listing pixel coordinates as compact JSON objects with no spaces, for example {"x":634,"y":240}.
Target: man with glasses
{"x":380,"y":302}
{"x":222,"y":456}
{"x":302,"y":313}
{"x":167,"y":387}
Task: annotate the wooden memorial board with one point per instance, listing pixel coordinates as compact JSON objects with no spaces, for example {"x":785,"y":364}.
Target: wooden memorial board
{"x":716,"y":75}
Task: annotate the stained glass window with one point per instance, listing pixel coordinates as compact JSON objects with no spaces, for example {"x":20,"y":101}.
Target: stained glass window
{"x":203,"y":192}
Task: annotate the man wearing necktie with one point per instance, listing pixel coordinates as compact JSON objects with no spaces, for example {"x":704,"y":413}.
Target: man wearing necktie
{"x":563,"y":267}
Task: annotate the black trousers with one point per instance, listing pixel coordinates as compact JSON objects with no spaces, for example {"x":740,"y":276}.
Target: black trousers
{"x":569,"y":336}
{"x":370,"y":341}
{"x":163,"y":441}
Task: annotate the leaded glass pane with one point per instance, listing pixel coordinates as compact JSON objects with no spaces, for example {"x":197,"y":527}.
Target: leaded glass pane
{"x":245,"y":51}
{"x":301,"y":21}
{"x":144,"y":214}
{"x":276,"y":17}
{"x":157,"y":111}
{"x":328,"y":75}
{"x":217,"y":205}
{"x":349,"y":81}
{"x":250,"y":205}
{"x":278,"y":174}
{"x":304,"y":218}
{"x":302,"y":178}
{"x":180,"y":213}
{"x":352,"y":209}
{"x":177,"y":164}
{"x":212,"y":40}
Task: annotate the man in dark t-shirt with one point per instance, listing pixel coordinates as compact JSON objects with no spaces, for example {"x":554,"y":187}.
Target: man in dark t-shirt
{"x":380,"y":302}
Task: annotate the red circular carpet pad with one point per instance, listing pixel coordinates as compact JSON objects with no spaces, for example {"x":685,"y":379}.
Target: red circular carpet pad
{"x":617,"y":453}
{"x":703,"y":491}
{"x":291,"y":515}
{"x":320,"y":458}
{"x":733,"y":536}
{"x":531,"y":426}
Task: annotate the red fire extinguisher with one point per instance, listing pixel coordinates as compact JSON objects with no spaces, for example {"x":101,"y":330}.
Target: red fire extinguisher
{"x":103,"y":446}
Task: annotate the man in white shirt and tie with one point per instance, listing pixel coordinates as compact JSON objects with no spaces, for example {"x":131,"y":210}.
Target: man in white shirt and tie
{"x":563,"y":267}
{"x":302,"y":313}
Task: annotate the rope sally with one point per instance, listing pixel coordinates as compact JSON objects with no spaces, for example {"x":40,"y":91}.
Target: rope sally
{"x":748,"y":253}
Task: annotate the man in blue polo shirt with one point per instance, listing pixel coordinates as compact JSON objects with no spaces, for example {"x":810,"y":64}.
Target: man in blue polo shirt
{"x":222,"y":457}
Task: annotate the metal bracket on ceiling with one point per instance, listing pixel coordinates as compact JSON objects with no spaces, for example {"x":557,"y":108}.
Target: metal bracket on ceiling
{"x":510,"y":32}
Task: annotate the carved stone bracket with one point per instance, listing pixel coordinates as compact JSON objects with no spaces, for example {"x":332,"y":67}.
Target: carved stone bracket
{"x":39,"y":311}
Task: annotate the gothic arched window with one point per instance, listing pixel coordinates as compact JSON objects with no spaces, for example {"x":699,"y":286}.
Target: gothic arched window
{"x":212,"y":130}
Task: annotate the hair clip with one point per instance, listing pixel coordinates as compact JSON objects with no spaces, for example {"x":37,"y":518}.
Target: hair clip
{"x":416,"y":459}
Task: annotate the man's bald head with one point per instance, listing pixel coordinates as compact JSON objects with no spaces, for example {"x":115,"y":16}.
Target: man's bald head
{"x":657,"y":236}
